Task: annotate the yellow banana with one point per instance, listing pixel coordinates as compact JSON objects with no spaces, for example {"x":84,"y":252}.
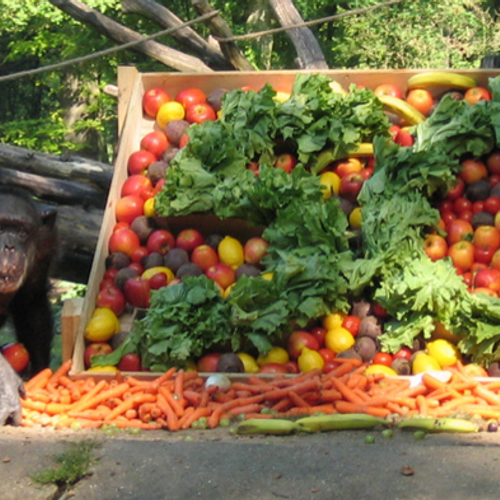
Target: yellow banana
{"x":338,"y":421}
{"x":330,"y":155}
{"x":276,"y":426}
{"x":441,"y":79}
{"x":403,"y":109}
{"x":445,"y":424}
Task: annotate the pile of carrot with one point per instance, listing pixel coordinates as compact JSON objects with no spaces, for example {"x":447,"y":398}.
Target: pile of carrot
{"x":176,"y":399}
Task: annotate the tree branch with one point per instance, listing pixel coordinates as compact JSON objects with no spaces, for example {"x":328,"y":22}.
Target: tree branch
{"x":121,"y":34}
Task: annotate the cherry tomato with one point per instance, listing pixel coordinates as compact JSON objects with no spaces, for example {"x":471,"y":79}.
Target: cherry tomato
{"x":327,"y":354}
{"x":383,"y":358}
{"x":478,"y":206}
{"x":319,"y":333}
{"x":492,"y":205}
{"x":461,"y":205}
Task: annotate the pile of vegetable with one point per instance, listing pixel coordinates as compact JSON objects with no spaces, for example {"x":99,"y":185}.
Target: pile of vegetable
{"x":314,"y":255}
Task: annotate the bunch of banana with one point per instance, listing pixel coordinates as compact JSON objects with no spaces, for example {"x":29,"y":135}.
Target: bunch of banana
{"x":328,"y":156}
{"x":440,"y":79}
{"x":445,"y":424}
{"x":402,"y":108}
{"x":315,"y":423}
{"x":339,"y":421}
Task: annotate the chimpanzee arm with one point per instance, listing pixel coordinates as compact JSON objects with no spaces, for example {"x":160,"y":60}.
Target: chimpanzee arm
{"x":32,"y":317}
{"x":11,"y":388}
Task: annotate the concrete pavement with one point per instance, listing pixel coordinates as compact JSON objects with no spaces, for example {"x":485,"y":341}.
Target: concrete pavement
{"x":218,"y":465}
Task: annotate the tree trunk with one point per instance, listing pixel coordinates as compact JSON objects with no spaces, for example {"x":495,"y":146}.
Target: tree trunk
{"x":121,"y":34}
{"x":187,"y":37}
{"x":310,"y":55}
{"x":219,"y":28}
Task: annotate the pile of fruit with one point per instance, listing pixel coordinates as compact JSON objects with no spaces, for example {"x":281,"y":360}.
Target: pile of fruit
{"x":319,"y":277}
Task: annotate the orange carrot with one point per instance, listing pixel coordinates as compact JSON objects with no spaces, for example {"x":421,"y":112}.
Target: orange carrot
{"x":186,"y":415}
{"x":63,"y":370}
{"x":178,"y":388}
{"x":39,"y":380}
{"x":128,"y":404}
{"x":350,"y":407}
{"x":299,"y":388}
{"x":431,"y":382}
{"x":482,"y":392}
{"x":329,"y":395}
{"x":99,"y":396}
{"x":196,"y":415}
{"x":251,"y":408}
{"x":347,"y":393}
{"x":297,"y":400}
{"x":171,"y":400}
{"x":172,"y":419}
{"x":422,"y":406}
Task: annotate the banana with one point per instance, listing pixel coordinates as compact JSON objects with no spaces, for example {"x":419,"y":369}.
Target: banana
{"x":276,"y":426}
{"x":441,"y":79}
{"x":445,"y":424}
{"x":403,"y":109}
{"x":329,"y":156}
{"x":338,"y":421}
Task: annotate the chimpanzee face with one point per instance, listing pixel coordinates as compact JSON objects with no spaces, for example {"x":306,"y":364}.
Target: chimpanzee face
{"x":18,"y":237}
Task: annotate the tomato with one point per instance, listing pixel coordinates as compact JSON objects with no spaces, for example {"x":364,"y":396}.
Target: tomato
{"x":466,"y":215}
{"x":445,"y":206}
{"x":488,"y":278}
{"x":120,"y":225}
{"x":388,"y":89}
{"x":155,"y":142}
{"x":404,"y":138}
{"x":383,"y":358}
{"x":478,"y":206}
{"x":473,"y":171}
{"x":493,"y":162}
{"x":190,"y":96}
{"x":476,"y":94}
{"x":139,"y":161}
{"x":327,"y":354}
{"x":457,"y":190}
{"x":152,"y":100}
{"x":319,"y":332}
{"x":421,"y":100}
{"x":125,"y":241}
{"x":492,"y":205}
{"x":351,"y":323}
{"x":448,"y":217}
{"x":129,"y":208}
{"x":462,"y":204}
{"x":457,"y":229}
{"x":494,"y":180}
{"x":403,"y":353}
{"x":435,"y":246}
{"x":467,"y":277}
{"x":393,"y":130}
{"x":17,"y":356}
{"x":135,"y":184}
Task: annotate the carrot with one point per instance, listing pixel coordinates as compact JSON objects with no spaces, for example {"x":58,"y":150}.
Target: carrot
{"x":99,"y":396}
{"x":38,"y":395}
{"x":422,"y":405}
{"x":194,"y":416}
{"x":162,"y":379}
{"x":431,"y":382}
{"x":171,"y":400}
{"x":189,"y":411}
{"x":178,"y":388}
{"x":55,"y":408}
{"x":297,"y":388}
{"x":34,"y":405}
{"x":350,"y":407}
{"x":340,"y":370}
{"x":311,"y":410}
{"x":172,"y":419}
{"x":193,"y":398}
{"x":298,"y":400}
{"x":251,"y":408}
{"x":39,"y":380}
{"x":489,"y":396}
{"x":128,"y":404}
{"x":396,"y":408}
{"x":347,"y":393}
{"x":253,"y":388}
{"x":282,"y":404}
{"x":329,"y":395}
{"x":63,"y":370}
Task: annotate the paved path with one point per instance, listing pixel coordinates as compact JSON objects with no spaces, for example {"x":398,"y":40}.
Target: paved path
{"x":217,"y":465}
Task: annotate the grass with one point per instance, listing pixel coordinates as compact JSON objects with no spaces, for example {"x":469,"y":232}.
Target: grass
{"x":71,"y":465}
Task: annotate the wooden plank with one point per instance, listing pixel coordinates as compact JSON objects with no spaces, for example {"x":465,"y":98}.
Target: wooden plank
{"x":70,"y":322}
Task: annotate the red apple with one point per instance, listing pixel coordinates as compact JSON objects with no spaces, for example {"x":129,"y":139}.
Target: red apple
{"x":95,"y":348}
{"x":129,"y":208}
{"x":350,"y":186}
{"x":139,"y":161}
{"x":473,"y":171}
{"x":130,"y":363}
{"x":161,"y":241}
{"x":222,"y":274}
{"x":198,"y":113}
{"x":300,"y":339}
{"x":125,"y":241}
{"x":208,"y":363}
{"x":493,"y":162}
{"x":435,"y":247}
{"x":488,"y":278}
{"x":158,"y":280}
{"x":190,"y":96}
{"x":204,"y":256}
{"x":155,"y":142}
{"x":189,"y":239}
{"x":112,"y":298}
{"x":153,"y":99}
{"x":348,"y":166}
{"x":388,"y":89}
{"x":286,"y":161}
{"x":136,"y":291}
{"x":135,"y":184}
{"x":254,"y":249}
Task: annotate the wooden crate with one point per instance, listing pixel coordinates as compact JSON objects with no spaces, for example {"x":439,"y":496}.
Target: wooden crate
{"x":133,"y":125}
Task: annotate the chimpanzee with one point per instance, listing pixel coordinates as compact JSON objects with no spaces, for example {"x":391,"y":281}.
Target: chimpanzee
{"x":27,"y":245}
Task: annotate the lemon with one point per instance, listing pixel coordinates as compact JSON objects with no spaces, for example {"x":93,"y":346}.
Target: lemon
{"x":383,"y":369}
{"x":149,"y":207}
{"x":274,"y":355}
{"x":100,"y":329}
{"x":107,"y":312}
{"x":330,"y":182}
{"x":106,"y":368}
{"x":169,"y":111}
{"x":309,"y":360}
{"x":424,"y":363}
{"x":333,"y":320}
{"x":249,"y":363}
{"x":339,"y":339}
{"x":356,"y":218}
{"x":231,"y":252}
{"x":443,"y":351}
